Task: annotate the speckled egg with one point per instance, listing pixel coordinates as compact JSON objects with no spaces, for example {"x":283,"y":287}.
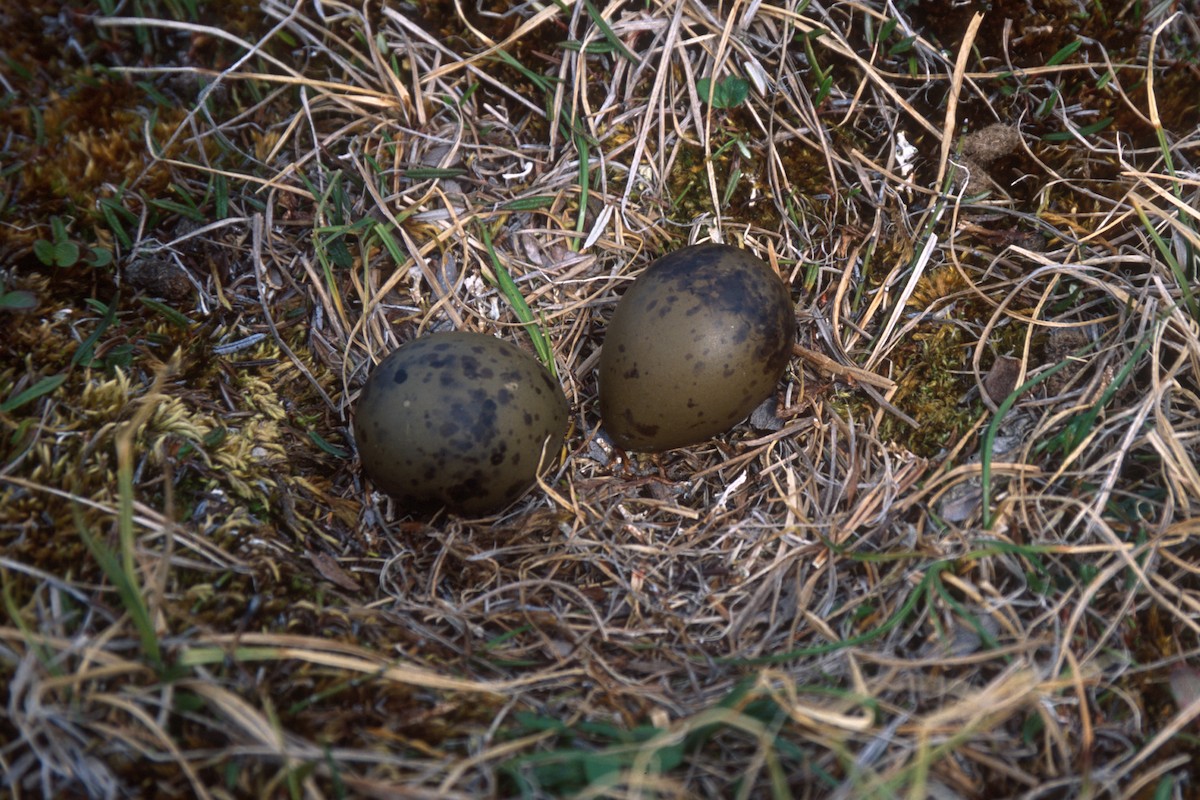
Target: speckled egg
{"x":458,"y":420}
{"x":699,"y":340}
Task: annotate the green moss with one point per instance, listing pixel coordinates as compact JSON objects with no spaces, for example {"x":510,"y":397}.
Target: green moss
{"x":930,"y":366}
{"x":741,"y":163}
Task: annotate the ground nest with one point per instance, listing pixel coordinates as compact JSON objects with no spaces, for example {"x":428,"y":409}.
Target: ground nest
{"x":955,"y":555}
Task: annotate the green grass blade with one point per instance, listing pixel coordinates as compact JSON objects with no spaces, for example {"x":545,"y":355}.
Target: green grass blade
{"x":508,"y":288}
{"x":1185,"y":284}
{"x":176,"y":318}
{"x":83,"y":354}
{"x":1086,"y":130}
{"x":989,"y":436}
{"x":529,"y":203}
{"x":123,"y":578}
{"x":581,"y":145}
{"x":44,"y":386}
{"x":543,"y":83}
{"x":1064,"y":53}
{"x":609,"y":33}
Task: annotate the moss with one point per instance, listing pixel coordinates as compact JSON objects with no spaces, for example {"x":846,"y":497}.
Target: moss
{"x":77,"y":146}
{"x":931,"y":381}
{"x":233,"y":471}
{"x":742,"y":167}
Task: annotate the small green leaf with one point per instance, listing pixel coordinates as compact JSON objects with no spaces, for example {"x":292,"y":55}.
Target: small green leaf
{"x":182,"y":209}
{"x":731,"y":187}
{"x":823,"y":89}
{"x":99,"y":256}
{"x":18,"y":300}
{"x":66,"y":254}
{"x":339,"y":252}
{"x":44,"y":251}
{"x":59,"y":250}
{"x":58,"y":230}
{"x":120,"y":355}
{"x":902,"y":46}
{"x":544,"y":83}
{"x":727,"y":93}
{"x":598,"y":766}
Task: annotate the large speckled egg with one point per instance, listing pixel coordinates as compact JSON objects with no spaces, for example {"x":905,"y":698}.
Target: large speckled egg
{"x":458,"y":420}
{"x":699,"y":340}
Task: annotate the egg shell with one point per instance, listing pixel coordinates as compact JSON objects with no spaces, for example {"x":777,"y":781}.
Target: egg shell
{"x":458,"y":420}
{"x":698,"y":340}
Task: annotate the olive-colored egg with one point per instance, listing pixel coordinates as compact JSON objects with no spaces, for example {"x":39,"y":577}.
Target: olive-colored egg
{"x":699,"y":340}
{"x":458,"y":420}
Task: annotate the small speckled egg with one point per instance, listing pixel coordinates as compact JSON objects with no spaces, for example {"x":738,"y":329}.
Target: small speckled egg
{"x":458,"y":420}
{"x":699,"y":340}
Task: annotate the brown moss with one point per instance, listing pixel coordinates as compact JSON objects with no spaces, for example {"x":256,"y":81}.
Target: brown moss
{"x":77,"y":146}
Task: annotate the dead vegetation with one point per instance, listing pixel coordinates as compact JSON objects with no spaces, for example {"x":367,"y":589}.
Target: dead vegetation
{"x":955,"y":560}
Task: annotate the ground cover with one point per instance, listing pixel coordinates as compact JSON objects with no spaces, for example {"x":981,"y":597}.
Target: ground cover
{"x":956,"y":557}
